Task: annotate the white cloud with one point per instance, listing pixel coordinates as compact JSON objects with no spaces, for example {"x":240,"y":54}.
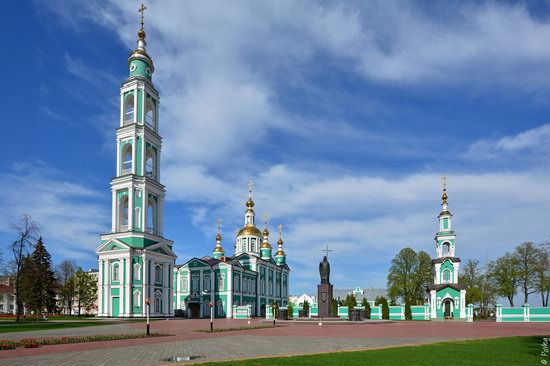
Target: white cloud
{"x":69,"y":217}
{"x":532,"y":144}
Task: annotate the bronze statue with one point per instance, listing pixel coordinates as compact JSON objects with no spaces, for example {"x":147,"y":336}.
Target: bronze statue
{"x":324,"y":271}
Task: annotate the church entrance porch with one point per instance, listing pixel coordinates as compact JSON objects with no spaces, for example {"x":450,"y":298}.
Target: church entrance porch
{"x":195,"y":310}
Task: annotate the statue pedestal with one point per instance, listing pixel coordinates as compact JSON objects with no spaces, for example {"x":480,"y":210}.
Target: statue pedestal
{"x":324,"y":300}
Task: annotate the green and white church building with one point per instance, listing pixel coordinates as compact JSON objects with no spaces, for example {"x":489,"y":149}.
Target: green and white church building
{"x":447,"y":298}
{"x":136,"y":262}
{"x":253,"y":277}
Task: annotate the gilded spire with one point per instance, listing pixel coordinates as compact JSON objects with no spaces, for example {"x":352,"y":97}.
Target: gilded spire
{"x":444,"y":196}
{"x":250,"y":203}
{"x":141,"y":33}
{"x":265,"y":242}
{"x":280,"y":251}
{"x":218,"y":250}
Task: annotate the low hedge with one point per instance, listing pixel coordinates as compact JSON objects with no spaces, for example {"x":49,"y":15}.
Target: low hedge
{"x":34,"y":343}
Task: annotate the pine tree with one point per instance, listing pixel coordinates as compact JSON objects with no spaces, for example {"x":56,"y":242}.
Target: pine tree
{"x":38,"y":281}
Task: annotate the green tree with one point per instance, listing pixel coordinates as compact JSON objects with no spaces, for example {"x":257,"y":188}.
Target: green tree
{"x":27,"y":231}
{"x":366,"y":306}
{"x":385,"y":307}
{"x":543,"y":274}
{"x":409,"y":275}
{"x":350,"y":302}
{"x":334,"y":307}
{"x":63,"y":272}
{"x":38,"y":281}
{"x":471,"y":277}
{"x":408,"y":311}
{"x":527,"y":256}
{"x":504,"y":275}
{"x":305,"y":307}
{"x":289,"y":309}
{"x":85,"y":289}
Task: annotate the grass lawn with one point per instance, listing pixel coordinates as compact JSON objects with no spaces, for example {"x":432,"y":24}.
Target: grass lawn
{"x":6,"y":327}
{"x":499,"y":351}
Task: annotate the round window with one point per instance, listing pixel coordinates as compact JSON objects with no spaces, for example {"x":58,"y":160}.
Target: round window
{"x":133,"y":67}
{"x":148,"y":71}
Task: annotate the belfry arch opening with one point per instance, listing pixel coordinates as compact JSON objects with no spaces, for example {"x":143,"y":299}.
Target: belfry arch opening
{"x":150,"y":113}
{"x":123,"y":212}
{"x":127,"y":159}
{"x":129,"y":108}
{"x":446,"y":249}
{"x":151,"y":216}
{"x":150,"y":163}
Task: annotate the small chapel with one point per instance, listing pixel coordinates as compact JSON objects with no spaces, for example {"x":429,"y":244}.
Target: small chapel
{"x":447,"y":298}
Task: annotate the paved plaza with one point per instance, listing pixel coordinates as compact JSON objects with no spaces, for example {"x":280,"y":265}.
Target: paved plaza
{"x":289,"y":339}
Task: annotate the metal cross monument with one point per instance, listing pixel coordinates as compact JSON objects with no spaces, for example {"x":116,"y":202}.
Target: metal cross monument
{"x":327,"y":250}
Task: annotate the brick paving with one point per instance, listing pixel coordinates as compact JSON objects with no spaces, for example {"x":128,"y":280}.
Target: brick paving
{"x":290,"y":339}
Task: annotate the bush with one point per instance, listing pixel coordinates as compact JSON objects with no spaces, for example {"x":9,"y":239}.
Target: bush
{"x":290,"y":309}
{"x":7,"y":345}
{"x":334,"y":307}
{"x":385,"y":307}
{"x":366,"y":305}
{"x":306,"y":307}
{"x":29,"y":343}
{"x":408,"y":312}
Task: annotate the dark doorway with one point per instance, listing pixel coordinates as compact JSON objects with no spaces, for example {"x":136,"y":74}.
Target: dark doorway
{"x":195,"y":310}
{"x":447,"y":308}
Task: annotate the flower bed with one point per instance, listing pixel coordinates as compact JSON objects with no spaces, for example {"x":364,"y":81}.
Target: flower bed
{"x":34,"y":343}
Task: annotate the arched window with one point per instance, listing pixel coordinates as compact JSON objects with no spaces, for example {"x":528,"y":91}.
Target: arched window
{"x":137,"y":299}
{"x":446,"y":276}
{"x":129,"y":109}
{"x":150,"y":118}
{"x":158,"y":274}
{"x":123,"y":213}
{"x":137,"y":271}
{"x":150,"y":158}
{"x":127,"y":159}
{"x":151,"y":216}
{"x":116,"y":275}
{"x":158,"y":303}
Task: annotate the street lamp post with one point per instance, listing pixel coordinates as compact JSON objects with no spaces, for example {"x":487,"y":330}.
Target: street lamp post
{"x":148,"y":302}
{"x":274,"y":306}
{"x":211,"y":304}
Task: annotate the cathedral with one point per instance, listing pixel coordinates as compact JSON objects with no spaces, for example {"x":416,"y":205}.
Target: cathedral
{"x":137,"y":270}
{"x":251,"y":277}
{"x":447,"y":298}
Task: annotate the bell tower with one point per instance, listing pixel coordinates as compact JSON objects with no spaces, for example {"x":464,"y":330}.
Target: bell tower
{"x":136,"y":244}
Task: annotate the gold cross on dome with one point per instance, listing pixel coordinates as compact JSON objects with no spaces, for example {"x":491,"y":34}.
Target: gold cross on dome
{"x":280,"y":227}
{"x":444,"y":178}
{"x":266,"y":218}
{"x":219,"y":223}
{"x":142,"y":10}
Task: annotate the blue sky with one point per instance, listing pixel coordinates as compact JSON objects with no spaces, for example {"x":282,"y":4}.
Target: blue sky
{"x":345,"y":114}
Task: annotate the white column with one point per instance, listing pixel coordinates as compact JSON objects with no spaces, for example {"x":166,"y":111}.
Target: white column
{"x":145,"y":282}
{"x":462,"y":304}
{"x":128,"y":289}
{"x":108,"y":288}
{"x":160,"y":217}
{"x":118,"y":158}
{"x":100,"y":309}
{"x":433,"y":304}
{"x":121,"y":108}
{"x":136,"y":103}
{"x":229,"y":305}
{"x":165,"y":291}
{"x":131,"y":207}
{"x":455,"y":274}
{"x":114,"y":212}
